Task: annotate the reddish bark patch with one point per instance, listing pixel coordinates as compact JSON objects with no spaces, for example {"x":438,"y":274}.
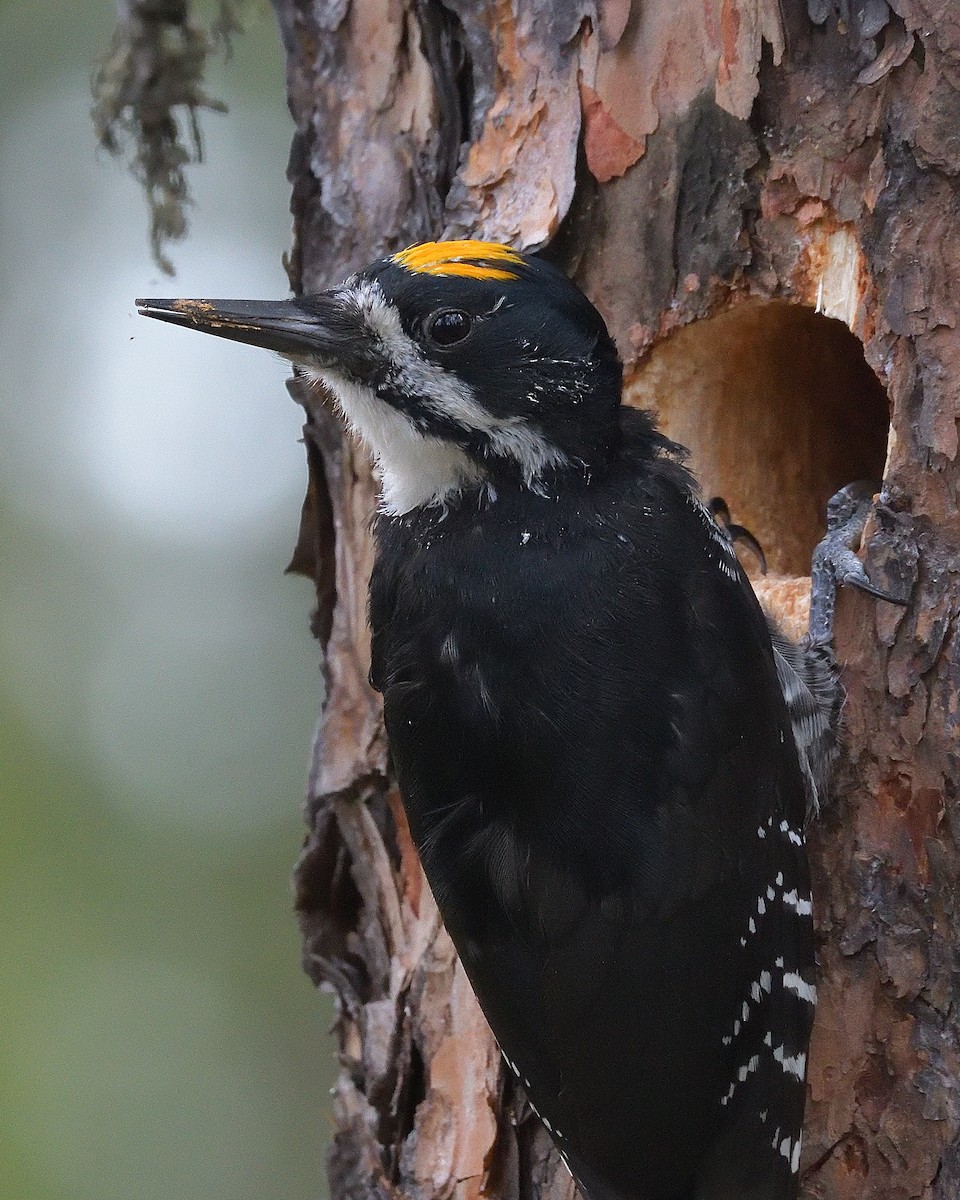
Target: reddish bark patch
{"x":608,"y":148}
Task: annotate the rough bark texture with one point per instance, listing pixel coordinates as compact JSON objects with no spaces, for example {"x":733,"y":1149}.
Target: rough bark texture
{"x":703,"y":168}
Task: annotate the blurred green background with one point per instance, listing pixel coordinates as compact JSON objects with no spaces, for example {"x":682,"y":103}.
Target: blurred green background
{"x":158,"y":683}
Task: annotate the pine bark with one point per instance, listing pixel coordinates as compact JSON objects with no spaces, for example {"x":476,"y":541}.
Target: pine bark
{"x":711,"y":172}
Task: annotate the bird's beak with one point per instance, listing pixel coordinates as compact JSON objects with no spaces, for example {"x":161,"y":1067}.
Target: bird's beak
{"x":323,"y":330}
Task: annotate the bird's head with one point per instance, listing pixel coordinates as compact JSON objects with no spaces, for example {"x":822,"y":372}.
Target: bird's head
{"x":456,"y":362}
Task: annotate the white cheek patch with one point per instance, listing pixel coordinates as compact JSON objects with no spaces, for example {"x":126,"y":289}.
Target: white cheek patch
{"x":446,"y":396}
{"x":413,"y":469}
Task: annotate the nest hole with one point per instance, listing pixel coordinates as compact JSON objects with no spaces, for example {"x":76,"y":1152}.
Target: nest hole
{"x":779,"y":409}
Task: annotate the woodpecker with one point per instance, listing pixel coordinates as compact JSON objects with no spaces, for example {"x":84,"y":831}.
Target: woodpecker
{"x":604,"y":752}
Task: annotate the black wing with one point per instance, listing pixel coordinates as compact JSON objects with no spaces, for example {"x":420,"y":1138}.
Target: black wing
{"x":598,"y":766}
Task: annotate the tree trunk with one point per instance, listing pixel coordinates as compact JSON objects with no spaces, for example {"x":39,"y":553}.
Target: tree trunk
{"x":763,"y":200}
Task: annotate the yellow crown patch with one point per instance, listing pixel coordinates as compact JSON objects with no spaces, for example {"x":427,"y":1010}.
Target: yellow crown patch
{"x":473,"y":260}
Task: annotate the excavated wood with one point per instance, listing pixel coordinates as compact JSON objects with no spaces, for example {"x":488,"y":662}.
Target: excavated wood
{"x":743,"y":391}
{"x":690,"y":160}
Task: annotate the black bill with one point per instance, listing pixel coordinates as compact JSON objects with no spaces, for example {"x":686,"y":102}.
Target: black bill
{"x":323,"y":330}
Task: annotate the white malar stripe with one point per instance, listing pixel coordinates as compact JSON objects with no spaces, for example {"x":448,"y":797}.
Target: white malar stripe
{"x":795,"y":1160}
{"x":515,"y":439}
{"x":800,"y":987}
{"x":449,"y":397}
{"x":413,"y":470}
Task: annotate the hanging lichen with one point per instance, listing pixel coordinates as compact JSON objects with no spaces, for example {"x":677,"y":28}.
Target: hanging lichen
{"x":147,"y":96}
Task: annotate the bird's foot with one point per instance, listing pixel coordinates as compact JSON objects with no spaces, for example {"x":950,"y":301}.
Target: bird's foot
{"x":834,"y":561}
{"x":720,"y":512}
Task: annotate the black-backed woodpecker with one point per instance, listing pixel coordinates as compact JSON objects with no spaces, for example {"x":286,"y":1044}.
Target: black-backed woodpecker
{"x":605,"y":754}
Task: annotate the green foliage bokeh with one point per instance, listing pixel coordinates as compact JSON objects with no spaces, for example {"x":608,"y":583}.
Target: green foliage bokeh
{"x":158,"y":683}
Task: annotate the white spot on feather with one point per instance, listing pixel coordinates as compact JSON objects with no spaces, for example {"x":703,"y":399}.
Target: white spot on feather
{"x":793,"y":1064}
{"x":800,"y":987}
{"x":800,"y":904}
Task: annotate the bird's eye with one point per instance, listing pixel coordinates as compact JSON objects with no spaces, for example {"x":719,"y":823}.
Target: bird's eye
{"x":449,"y":326}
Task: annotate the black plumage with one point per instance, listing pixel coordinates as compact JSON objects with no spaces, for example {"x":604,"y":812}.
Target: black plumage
{"x":598,"y":768}
{"x":589,"y":721}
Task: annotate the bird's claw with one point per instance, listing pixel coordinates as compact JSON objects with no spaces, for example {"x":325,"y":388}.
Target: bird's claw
{"x":720,"y":512}
{"x":834,"y":561}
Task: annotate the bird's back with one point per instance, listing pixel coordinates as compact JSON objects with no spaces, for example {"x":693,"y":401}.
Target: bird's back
{"x":599,"y":773}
